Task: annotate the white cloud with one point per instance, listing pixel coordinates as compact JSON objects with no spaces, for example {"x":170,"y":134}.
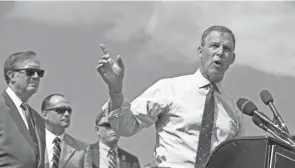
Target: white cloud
{"x":264,"y":30}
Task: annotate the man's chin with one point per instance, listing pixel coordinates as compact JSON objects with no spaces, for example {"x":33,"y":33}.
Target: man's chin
{"x":66,"y":124}
{"x":113,"y":139}
{"x":216,"y":76}
{"x":32,"y":89}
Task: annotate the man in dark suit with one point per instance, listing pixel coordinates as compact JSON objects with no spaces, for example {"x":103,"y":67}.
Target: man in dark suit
{"x":62,"y":150}
{"x":22,"y":129}
{"x":105,"y":153}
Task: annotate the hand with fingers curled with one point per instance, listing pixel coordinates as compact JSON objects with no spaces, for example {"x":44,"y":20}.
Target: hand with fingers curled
{"x":111,"y":72}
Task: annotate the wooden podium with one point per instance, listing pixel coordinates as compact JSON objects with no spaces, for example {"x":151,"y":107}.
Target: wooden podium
{"x":252,"y":152}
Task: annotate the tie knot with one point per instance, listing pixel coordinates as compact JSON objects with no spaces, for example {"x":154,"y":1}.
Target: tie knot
{"x":56,"y":140}
{"x":112,"y":152}
{"x":213,"y":87}
{"x":24,"y":106}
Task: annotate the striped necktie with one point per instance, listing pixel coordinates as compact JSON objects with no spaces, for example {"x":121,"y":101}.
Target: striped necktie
{"x":204,"y":144}
{"x":31,"y":126}
{"x":56,"y":152}
{"x":112,"y":159}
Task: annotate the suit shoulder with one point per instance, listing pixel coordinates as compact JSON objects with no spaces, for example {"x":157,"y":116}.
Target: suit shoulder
{"x":37,"y":115}
{"x":3,"y":105}
{"x":128,"y":156}
{"x":2,"y":100}
{"x":76,"y":143}
{"x":94,"y":145}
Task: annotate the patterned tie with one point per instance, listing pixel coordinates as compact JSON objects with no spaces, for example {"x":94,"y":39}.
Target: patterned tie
{"x":112,"y":159}
{"x":31,"y":126}
{"x":206,"y":129}
{"x":56,"y":152}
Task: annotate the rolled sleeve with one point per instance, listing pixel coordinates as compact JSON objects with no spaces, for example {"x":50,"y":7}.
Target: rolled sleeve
{"x":115,"y":113}
{"x":141,"y":113}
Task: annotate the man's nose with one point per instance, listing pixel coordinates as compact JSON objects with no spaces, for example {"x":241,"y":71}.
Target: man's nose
{"x":67,"y":113}
{"x":220,"y":51}
{"x":35,"y":76}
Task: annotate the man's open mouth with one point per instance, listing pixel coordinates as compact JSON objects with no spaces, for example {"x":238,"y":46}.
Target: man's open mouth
{"x":217,"y":62}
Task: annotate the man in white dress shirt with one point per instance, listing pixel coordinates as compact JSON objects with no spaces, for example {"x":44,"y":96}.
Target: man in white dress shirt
{"x":192,"y":113}
{"x":62,"y":150}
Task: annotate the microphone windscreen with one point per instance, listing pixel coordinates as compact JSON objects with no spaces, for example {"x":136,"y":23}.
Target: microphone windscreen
{"x":266,"y":97}
{"x":257,"y":121}
{"x":246,"y":106}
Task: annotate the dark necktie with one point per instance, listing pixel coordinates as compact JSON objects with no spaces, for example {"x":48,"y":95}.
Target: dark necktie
{"x":31,"y":126}
{"x":112,"y":159}
{"x":56,"y":152}
{"x":204,"y":144}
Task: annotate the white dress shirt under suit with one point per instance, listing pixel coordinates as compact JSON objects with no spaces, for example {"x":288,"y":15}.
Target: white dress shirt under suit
{"x":50,"y":145}
{"x":104,"y":152}
{"x":175,"y":106}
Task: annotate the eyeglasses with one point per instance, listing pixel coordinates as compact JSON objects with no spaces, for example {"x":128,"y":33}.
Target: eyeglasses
{"x":61,"y":110}
{"x":31,"y":71}
{"x":106,"y":125}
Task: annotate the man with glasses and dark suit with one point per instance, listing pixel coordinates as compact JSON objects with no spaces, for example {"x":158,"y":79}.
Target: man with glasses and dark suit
{"x":105,"y":153}
{"x":22,"y":129}
{"x":62,"y":150}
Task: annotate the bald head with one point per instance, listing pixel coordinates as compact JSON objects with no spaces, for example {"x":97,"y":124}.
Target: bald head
{"x":47,"y":100}
{"x":56,"y":112}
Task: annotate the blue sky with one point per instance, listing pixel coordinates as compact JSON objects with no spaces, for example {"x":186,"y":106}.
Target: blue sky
{"x":156,"y":40}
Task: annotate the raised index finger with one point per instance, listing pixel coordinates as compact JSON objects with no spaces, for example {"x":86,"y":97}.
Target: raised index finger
{"x":104,"y":49}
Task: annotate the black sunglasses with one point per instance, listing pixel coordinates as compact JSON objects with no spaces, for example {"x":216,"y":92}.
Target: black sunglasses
{"x":31,"y":71}
{"x":106,"y":125}
{"x":61,"y":110}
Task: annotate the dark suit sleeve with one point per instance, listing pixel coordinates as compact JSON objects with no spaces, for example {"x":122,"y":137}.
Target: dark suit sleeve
{"x":88,"y":158}
{"x":136,"y":163}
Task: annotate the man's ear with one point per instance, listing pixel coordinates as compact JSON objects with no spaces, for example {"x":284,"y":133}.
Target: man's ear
{"x":233,"y":58}
{"x":44,"y":113}
{"x":200,"y":51}
{"x":96,"y":128}
{"x":10,"y":74}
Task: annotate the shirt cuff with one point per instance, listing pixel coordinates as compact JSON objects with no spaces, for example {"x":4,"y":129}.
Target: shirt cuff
{"x":117,"y":112}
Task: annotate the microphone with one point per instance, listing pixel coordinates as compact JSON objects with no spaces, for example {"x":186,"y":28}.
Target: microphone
{"x":257,"y":121}
{"x":267,"y":99}
{"x":248,"y":107}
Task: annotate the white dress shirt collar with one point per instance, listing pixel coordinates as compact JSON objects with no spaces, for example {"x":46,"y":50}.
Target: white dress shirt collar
{"x":201,"y":81}
{"x":104,"y":149}
{"x":50,"y":137}
{"x":17,"y":101}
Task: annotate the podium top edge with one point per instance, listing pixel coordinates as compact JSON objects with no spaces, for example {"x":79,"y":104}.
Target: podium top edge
{"x":244,"y":138}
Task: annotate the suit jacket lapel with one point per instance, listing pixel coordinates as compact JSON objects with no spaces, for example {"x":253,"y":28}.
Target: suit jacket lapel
{"x":39,"y":126}
{"x":18,"y":120}
{"x":66,"y":151}
{"x":123,"y":159}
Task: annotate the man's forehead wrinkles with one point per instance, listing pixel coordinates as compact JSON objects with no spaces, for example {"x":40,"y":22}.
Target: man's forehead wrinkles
{"x":223,"y":40}
{"x":217,"y":37}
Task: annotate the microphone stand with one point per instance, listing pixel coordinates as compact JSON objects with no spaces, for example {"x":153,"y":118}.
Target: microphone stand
{"x":284,"y":131}
{"x":281,"y":139}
